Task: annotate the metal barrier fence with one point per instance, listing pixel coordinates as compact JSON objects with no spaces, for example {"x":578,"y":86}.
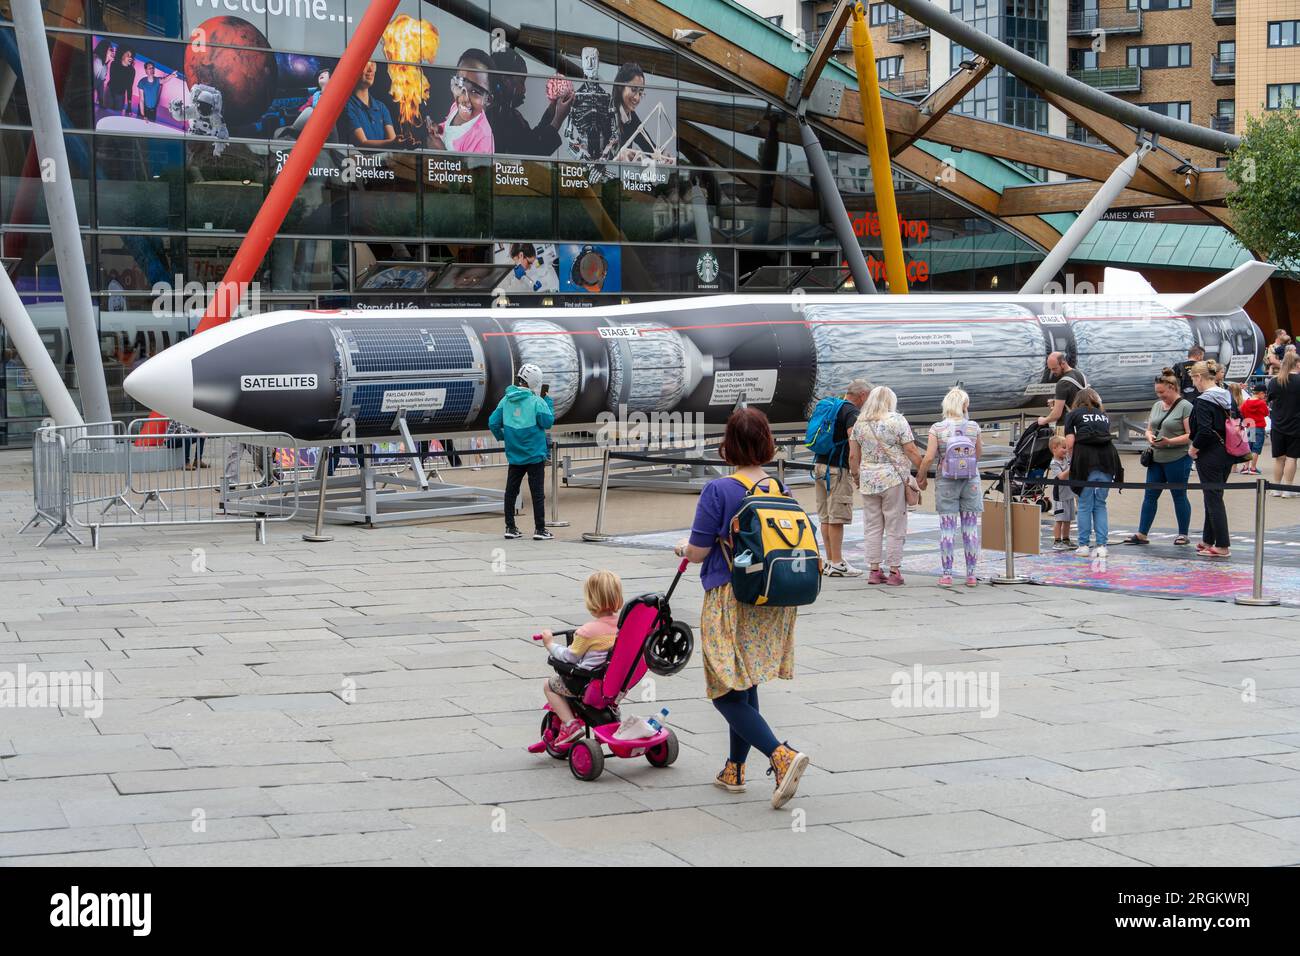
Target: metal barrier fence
{"x":1260,"y":486}
{"x":782,"y":463}
{"x":51,"y":475}
{"x":100,"y":475}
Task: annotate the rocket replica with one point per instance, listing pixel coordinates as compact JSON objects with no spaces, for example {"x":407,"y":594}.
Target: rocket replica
{"x":336,"y":376}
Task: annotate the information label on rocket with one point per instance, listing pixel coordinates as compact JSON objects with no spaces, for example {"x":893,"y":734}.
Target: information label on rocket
{"x":413,"y":400}
{"x":1041,"y":388}
{"x":933,"y":339}
{"x":937,"y":368}
{"x":1136,"y":358}
{"x":619,"y":332}
{"x":276,"y":383}
{"x":757,"y":385}
{"x":1239,"y":366}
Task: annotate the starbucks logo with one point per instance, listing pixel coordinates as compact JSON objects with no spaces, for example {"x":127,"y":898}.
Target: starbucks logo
{"x":706,"y":267}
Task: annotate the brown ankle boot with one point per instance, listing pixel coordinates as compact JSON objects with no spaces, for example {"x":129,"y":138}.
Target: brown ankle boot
{"x":788,"y":766}
{"x":732,"y":778}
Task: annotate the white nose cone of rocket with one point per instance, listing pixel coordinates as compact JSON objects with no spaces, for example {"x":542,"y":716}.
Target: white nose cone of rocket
{"x":165,"y":383}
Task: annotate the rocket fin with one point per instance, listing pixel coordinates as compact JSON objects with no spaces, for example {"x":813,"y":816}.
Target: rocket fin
{"x":1228,"y":293}
{"x":1126,"y":282}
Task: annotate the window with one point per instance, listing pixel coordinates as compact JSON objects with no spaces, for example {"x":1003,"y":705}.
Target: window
{"x":882,"y":13}
{"x":457,"y":196}
{"x":1161,"y":57}
{"x":587,"y":199}
{"x":1284,"y":33}
{"x":384,"y":195}
{"x":888,"y":67}
{"x":224,"y":191}
{"x":21,"y":190}
{"x":1283,"y":96}
{"x":1026,"y":9}
{"x":160,"y":18}
{"x":1227,"y":51}
{"x":141,"y":182}
{"x":1159,"y":4}
{"x":777,"y":21}
{"x":1181,"y":111}
{"x":1084,"y":59}
{"x":1227,"y":108}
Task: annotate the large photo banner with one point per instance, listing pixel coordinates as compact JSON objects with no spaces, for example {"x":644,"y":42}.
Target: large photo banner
{"x":436,"y":82}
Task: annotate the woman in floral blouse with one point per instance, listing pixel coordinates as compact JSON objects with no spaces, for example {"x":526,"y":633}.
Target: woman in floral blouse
{"x":880,"y":447}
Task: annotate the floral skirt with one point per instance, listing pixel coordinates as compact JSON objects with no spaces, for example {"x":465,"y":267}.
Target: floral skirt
{"x":744,"y":645}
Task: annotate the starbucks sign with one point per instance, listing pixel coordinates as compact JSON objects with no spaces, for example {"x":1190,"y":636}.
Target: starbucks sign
{"x":706,"y":267}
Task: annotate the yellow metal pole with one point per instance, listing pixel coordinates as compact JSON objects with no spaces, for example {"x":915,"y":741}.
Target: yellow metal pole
{"x":882,"y":177}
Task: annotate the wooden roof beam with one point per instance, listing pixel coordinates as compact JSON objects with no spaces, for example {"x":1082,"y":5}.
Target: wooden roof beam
{"x":936,"y":106}
{"x":1177,"y":178}
{"x":1046,"y":198}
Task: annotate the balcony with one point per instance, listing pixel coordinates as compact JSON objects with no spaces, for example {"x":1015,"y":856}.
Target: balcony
{"x":1118,"y":79}
{"x":1223,"y":69}
{"x":1223,"y":124}
{"x":1111,"y":20}
{"x":911,"y":85}
{"x":1223,"y":12}
{"x":905,"y":29}
{"x":843,"y":43}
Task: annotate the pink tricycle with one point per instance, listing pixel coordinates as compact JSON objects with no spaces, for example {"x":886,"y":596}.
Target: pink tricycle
{"x":648,"y":639}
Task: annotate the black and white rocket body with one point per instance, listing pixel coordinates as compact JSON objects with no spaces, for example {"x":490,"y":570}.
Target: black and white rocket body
{"x":334,"y":376}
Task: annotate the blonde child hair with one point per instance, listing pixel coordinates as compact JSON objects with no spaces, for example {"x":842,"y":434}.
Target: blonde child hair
{"x":956,"y":403}
{"x":603,"y":593}
{"x":1055,"y":442}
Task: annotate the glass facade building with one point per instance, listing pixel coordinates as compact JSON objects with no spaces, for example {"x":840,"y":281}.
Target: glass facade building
{"x":516,"y":152}
{"x":1001,"y":97}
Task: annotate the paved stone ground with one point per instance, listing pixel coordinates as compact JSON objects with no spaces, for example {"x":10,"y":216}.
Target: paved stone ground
{"x":369,"y":701}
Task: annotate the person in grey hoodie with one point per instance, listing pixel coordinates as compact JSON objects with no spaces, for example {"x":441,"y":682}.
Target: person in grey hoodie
{"x":1210,"y":414}
{"x":521,"y":421}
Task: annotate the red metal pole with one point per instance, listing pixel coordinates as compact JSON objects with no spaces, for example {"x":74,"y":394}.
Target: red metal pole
{"x":343,"y":80}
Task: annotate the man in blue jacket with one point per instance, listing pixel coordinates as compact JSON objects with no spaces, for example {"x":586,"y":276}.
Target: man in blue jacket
{"x":521,"y":421}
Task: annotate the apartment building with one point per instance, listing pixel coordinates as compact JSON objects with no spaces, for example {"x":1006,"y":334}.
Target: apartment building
{"x":1210,"y":62}
{"x":790,"y":15}
{"x":1268,"y":57}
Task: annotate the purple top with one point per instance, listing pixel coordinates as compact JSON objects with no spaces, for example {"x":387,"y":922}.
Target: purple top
{"x":719,"y":502}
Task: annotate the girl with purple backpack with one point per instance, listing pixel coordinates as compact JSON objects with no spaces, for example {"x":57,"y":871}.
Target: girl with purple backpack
{"x":955,"y":443}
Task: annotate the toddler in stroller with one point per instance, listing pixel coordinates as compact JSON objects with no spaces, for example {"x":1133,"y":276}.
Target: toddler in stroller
{"x":595,"y":666}
{"x":1030,"y":457}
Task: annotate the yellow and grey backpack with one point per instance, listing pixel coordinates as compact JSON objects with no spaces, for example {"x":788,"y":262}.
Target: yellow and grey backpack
{"x":772,"y":549}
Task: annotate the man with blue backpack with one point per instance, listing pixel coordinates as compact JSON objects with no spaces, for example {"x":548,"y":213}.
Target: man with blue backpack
{"x":828,"y":439}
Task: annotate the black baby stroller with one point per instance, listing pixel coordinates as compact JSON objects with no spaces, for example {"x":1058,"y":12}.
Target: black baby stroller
{"x":1030,"y":457}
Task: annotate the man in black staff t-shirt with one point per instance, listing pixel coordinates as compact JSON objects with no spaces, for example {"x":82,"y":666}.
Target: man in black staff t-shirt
{"x":1184,"y":372}
{"x":835,"y":493}
{"x":1069,"y":382}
